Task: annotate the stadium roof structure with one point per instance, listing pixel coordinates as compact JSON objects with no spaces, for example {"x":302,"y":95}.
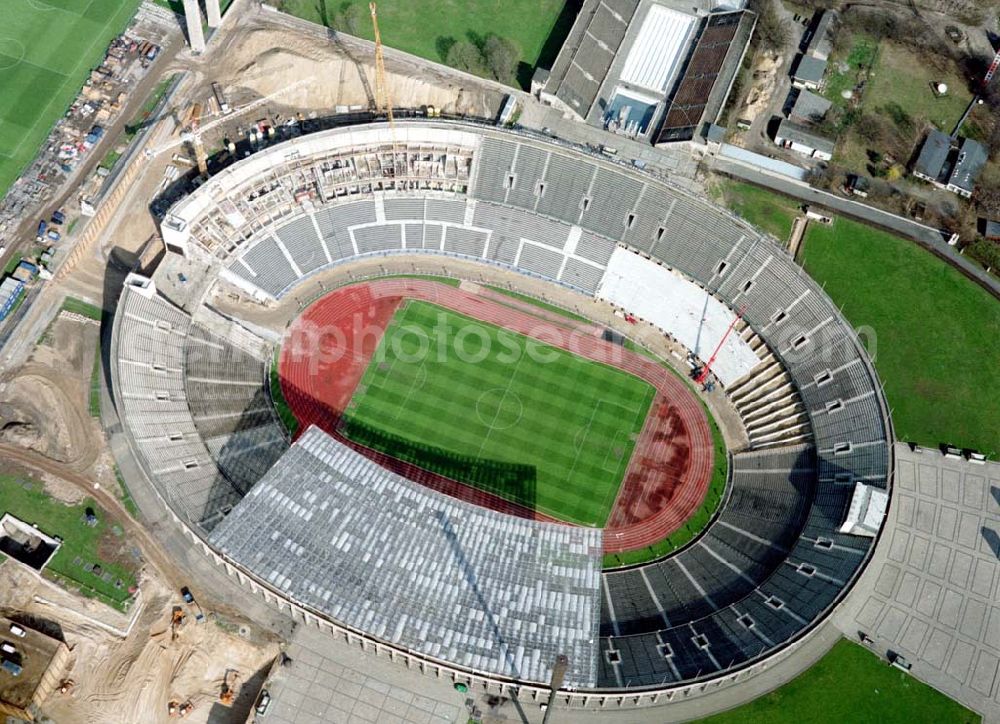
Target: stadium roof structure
{"x":496,"y":593}
{"x":653,"y":69}
{"x":191,"y":386}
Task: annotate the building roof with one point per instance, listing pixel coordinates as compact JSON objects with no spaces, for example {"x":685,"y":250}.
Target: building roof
{"x":585,"y":58}
{"x":628,"y":64}
{"x":950,"y":161}
{"x":866,"y":512}
{"x":715,"y":133}
{"x":933,"y":155}
{"x":972,"y":156}
{"x":821,"y":42}
{"x":992,"y":229}
{"x":810,"y":107}
{"x":342,"y":535}
{"x":809,"y":69}
{"x":792,"y":131}
{"x":701,"y":91}
{"x":659,"y":48}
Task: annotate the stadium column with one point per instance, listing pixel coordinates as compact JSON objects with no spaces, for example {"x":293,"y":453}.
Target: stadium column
{"x":214,"y":13}
{"x":196,"y":36}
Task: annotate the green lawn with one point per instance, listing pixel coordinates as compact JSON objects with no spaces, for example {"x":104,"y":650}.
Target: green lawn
{"x":937,"y":333}
{"x":762,"y":208}
{"x":82,"y":545}
{"x":84,"y":309}
{"x":850,"y":684}
{"x":46,"y":51}
{"x":281,"y":407}
{"x":858,"y":61}
{"x":901,"y":77}
{"x":536,"y":425}
{"x":429,"y":27}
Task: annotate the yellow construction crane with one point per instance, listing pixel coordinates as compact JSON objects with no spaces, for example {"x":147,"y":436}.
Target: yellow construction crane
{"x":383,"y":101}
{"x":194,"y":122}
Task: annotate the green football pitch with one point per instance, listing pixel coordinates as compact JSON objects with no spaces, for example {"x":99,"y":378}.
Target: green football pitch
{"x":47,"y":48}
{"x":533,"y":424}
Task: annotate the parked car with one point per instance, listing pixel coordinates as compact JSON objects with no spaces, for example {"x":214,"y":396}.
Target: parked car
{"x":18,"y":631}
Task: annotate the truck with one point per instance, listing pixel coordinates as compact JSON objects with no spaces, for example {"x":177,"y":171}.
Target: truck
{"x":54,"y":235}
{"x":42,"y":228}
{"x":58,"y":217}
{"x":199,"y":615}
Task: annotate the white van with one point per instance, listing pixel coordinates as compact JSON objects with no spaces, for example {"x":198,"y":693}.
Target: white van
{"x":17,"y":631}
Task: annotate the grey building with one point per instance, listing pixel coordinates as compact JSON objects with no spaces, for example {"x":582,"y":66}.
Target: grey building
{"x":808,"y":72}
{"x":820,"y":42}
{"x":656,"y":70}
{"x":804,"y":140}
{"x":950,"y":163}
{"x":809,"y":107}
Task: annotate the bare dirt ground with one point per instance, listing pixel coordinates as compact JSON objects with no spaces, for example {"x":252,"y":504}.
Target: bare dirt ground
{"x":44,"y":404}
{"x":269,"y":61}
{"x":131,"y":679}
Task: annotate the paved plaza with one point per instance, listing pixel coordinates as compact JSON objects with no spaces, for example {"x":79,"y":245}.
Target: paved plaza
{"x":328,"y":681}
{"x":931,"y":591}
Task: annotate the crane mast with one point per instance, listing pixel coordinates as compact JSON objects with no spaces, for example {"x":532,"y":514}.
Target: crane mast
{"x":383,"y":101}
{"x":703,"y":375}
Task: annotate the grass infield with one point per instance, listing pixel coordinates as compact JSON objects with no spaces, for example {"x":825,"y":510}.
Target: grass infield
{"x":47,"y":48}
{"x":555,"y":435}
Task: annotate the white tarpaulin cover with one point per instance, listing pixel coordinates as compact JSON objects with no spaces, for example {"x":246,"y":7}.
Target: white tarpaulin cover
{"x":690,"y":314}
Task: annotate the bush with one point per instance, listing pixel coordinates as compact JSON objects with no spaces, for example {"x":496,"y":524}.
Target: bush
{"x":986,"y":252}
{"x":501,"y":56}
{"x":463,"y":55}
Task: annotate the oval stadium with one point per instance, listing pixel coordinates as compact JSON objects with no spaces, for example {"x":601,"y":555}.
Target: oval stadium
{"x":431,"y":388}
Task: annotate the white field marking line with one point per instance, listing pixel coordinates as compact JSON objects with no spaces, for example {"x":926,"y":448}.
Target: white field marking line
{"x":621,"y":431}
{"x":503,"y":397}
{"x":31,"y":130}
{"x":371,"y":373}
{"x":419,"y":378}
{"x":614,"y":491}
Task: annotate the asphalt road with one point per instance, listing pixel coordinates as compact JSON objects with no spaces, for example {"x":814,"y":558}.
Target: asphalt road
{"x":934,"y":240}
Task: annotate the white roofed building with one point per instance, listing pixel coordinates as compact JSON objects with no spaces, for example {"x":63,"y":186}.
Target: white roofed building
{"x":656,"y":70}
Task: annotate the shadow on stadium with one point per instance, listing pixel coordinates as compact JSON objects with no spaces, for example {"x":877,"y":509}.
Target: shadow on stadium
{"x":508,"y":487}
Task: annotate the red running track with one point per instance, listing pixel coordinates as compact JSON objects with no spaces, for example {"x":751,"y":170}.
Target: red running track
{"x":327,"y":349}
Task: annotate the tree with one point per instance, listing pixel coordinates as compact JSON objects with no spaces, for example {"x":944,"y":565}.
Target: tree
{"x":771,"y":32}
{"x":463,"y":55}
{"x":501,"y":56}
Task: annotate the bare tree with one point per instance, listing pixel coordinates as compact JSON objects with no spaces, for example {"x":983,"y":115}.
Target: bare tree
{"x":771,"y":32}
